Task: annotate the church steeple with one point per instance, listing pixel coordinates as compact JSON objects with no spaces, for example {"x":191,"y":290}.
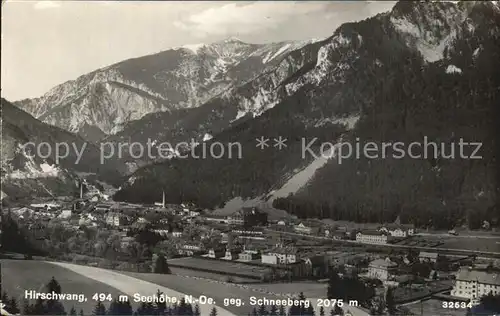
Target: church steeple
{"x":397,"y":221}
{"x":163,"y":202}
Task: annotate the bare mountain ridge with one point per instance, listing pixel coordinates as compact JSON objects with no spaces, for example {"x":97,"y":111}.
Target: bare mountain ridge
{"x":185,"y":77}
{"x":384,"y":78}
{"x":28,"y":174}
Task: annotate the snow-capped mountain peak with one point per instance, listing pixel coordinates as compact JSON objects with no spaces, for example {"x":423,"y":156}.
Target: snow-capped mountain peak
{"x":102,"y":102}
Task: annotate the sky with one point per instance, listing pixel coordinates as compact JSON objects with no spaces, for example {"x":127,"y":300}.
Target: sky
{"x":45,"y":43}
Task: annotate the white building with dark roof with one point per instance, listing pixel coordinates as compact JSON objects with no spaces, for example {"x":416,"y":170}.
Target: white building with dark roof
{"x":372,"y":237}
{"x":425,"y":256}
{"x":474,"y":284}
{"x":281,"y":255}
{"x":381,"y":269}
{"x":397,"y":229}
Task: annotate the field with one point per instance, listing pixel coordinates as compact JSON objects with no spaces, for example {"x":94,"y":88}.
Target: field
{"x":89,"y":280}
{"x":480,"y":244}
{"x":20,"y":275}
{"x":310,"y":289}
{"x":489,"y":243}
{"x":208,"y":275}
{"x":221,"y":266}
{"x":220,"y":291}
{"x":217,"y":290}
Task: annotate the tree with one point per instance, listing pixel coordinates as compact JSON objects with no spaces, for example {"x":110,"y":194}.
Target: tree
{"x":99,"y":309}
{"x":262,"y":310}
{"x":81,"y":312}
{"x":126,"y":308}
{"x":274,"y":311}
{"x":27,"y":308}
{"x":321,"y":311}
{"x":491,"y":302}
{"x":196,"y":311}
{"x":297,"y":310}
{"x":161,"y":265}
{"x":142,"y":309}
{"x":435,"y":275}
{"x":54,"y":307}
{"x":334,"y":289}
{"x":14,"y":308}
{"x":10,"y":304}
{"x":389,"y":301}
{"x":160,"y":306}
{"x":135,"y":251}
{"x":53,"y":286}
{"x":282,"y":311}
{"x":39,"y":308}
{"x":213,"y":312}
{"x":184,"y":308}
{"x":114,"y":308}
{"x":336,"y":311}
{"x":72,"y":311}
{"x":310,"y":310}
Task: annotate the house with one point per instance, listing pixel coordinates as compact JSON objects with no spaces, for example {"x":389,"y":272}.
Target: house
{"x":142,"y":220}
{"x":243,"y":233}
{"x":280,"y":255}
{"x":102,"y":207}
{"x":91,"y":217}
{"x":397,"y":229}
{"x":116,"y":219}
{"x":216,"y":253}
{"x":298,"y":269}
{"x":65,"y":214}
{"x":334,"y":234}
{"x":428,"y":256}
{"x":382,"y":269}
{"x":161,"y":232}
{"x":231,"y":254}
{"x":302,"y":229}
{"x":248,"y":255}
{"x":177,"y":234}
{"x":163,"y":221}
{"x":190,"y":249}
{"x":372,"y":237}
{"x":125,"y":241}
{"x":269,"y":258}
{"x":248,"y":217}
{"x":474,"y":283}
{"x":316,"y":265}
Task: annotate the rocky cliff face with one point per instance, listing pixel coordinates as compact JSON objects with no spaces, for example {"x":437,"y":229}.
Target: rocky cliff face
{"x":102,"y":102}
{"x":36,"y":170}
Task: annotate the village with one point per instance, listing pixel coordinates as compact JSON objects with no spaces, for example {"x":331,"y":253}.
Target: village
{"x":251,"y":246}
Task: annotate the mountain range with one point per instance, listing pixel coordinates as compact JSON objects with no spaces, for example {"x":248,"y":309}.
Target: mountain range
{"x":35,"y":170}
{"x":103,"y":102}
{"x":423,"y":69}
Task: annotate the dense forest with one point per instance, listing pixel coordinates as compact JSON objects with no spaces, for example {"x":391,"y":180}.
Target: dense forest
{"x":399,"y":97}
{"x":422,"y":101}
